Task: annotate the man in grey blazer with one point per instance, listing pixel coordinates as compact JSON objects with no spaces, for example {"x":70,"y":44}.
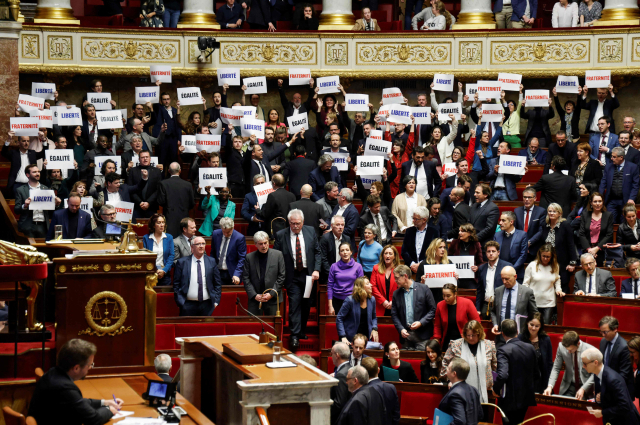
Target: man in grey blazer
{"x":592,"y":281}
{"x":182,"y":243}
{"x":263,"y":269}
{"x":570,"y":352}
{"x":484,"y":214}
{"x":517,"y":301}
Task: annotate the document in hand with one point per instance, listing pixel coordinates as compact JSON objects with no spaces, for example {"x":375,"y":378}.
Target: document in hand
{"x":390,"y":374}
{"x":441,"y":418}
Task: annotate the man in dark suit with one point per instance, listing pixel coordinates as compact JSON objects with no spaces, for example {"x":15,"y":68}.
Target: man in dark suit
{"x":381,"y":217}
{"x":197,"y":294}
{"x":249,"y":208}
{"x":131,"y":158}
{"x":556,"y":187}
{"x":56,"y":395}
{"x":632,"y":285}
{"x":329,"y":243}
{"x":162,"y":363}
{"x":631,"y":154}
{"x":115,"y":191}
{"x":414,"y":248}
{"x":32,"y":223}
{"x":277,"y":205}
{"x":148,"y":142}
{"x":350,"y":213}
{"x":88,"y":169}
{"x":414,"y":326}
{"x":620,"y":183}
{"x":75,"y":222}
{"x":502,"y":185}
{"x":484,"y":214}
{"x":182,"y":243}
{"x":340,"y":393}
{"x":312,"y":143}
{"x":463,"y":182}
{"x":147,"y":178}
{"x":592,"y":281}
{"x":538,"y":123}
{"x":462,"y":401}
{"x":366,"y":405}
{"x":299,"y":246}
{"x":270,"y":145}
{"x":517,"y":371}
{"x":212,"y":114}
{"x":514,"y":243}
{"x":166,"y":114}
{"x":229,"y":248}
{"x":325,"y":172}
{"x":263,"y":270}
{"x":461,"y":211}
{"x":607,"y":105}
{"x":489,"y":277}
{"x":107,"y":215}
{"x":312,"y":211}
{"x":531,"y":218}
{"x":296,"y":106}
{"x":19,"y":159}
{"x":615,"y":399}
{"x":257,"y":162}
{"x":427,"y":179}
{"x":615,"y":352}
{"x":568,"y":151}
{"x":535,"y":155}
{"x":518,"y":301}
{"x":90,"y":130}
{"x":463,"y":169}
{"x":175,"y":196}
{"x":297,"y":170}
{"x":387,"y":390}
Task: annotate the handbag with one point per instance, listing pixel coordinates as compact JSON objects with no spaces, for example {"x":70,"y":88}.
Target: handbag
{"x":615,"y":256}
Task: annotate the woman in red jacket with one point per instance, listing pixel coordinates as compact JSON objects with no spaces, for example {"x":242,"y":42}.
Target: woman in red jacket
{"x":400,"y":152}
{"x":462,"y":310}
{"x":382,"y":281}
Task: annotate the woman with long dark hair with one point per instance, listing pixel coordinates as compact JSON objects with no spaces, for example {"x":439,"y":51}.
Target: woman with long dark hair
{"x":431,"y":366}
{"x":437,"y":219}
{"x":162,"y":244}
{"x":534,"y":334}
{"x":467,"y":244}
{"x":392,"y":360}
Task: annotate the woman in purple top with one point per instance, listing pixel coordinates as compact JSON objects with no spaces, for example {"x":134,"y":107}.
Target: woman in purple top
{"x":341,"y":277}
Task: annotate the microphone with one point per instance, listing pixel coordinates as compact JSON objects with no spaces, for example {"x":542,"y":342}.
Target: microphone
{"x":263,"y":335}
{"x":113,"y":223}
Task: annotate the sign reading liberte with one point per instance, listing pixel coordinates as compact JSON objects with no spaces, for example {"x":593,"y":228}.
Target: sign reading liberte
{"x":356,"y":102}
{"x":443,"y":82}
{"x":567,"y":84}
{"x":69,"y":116}
{"x":148,"y":94}
{"x":229,"y":76}
{"x":44,"y":200}
{"x":249,"y":127}
{"x":340,"y":160}
{"x":43,"y":90}
{"x":422,"y":115}
{"x":328,"y":84}
{"x":512,"y":164}
{"x":400,"y":114}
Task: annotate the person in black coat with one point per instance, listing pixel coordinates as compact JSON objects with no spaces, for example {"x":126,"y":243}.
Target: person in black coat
{"x":615,"y":351}
{"x":412,"y":258}
{"x":234,"y":158}
{"x":168,"y":148}
{"x":262,"y":15}
{"x":625,"y":237}
{"x":175,"y":196}
{"x":436,"y":218}
{"x":434,"y":181}
{"x":380,"y":216}
{"x":392,"y":360}
{"x":461,"y":212}
{"x":340,"y":393}
{"x":538,"y":124}
{"x":312,"y":211}
{"x":388,"y":391}
{"x":557,"y":187}
{"x":558,"y":232}
{"x":586,"y":169}
{"x":329,"y":243}
{"x":147,"y":178}
{"x":277,"y":206}
{"x":298,"y":169}
{"x":570,"y":114}
{"x":308,"y":20}
{"x":256,"y":161}
{"x":366,"y":405}
{"x":605,"y":236}
{"x":13,"y":155}
{"x":230,"y":15}
{"x":462,"y":401}
{"x":609,"y":105}
{"x":296,"y":105}
{"x":323,"y":173}
{"x":535,"y":335}
{"x":561,"y":148}
{"x":485,"y":215}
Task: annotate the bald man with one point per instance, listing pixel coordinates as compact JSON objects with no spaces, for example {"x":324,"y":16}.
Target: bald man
{"x":511,"y":300}
{"x":312,"y":212}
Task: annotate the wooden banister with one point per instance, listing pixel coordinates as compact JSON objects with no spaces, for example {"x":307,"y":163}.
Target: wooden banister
{"x":262,"y":416}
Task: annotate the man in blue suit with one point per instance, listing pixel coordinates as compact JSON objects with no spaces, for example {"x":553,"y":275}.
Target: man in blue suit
{"x":413,"y":248}
{"x":387,"y":390}
{"x":75,"y":222}
{"x":428,"y":181}
{"x":535,"y":155}
{"x":514,"y":15}
{"x":197,"y":294}
{"x":229,"y":248}
{"x":502,"y":185}
{"x":603,"y":142}
{"x":514,"y":243}
{"x":462,"y":401}
{"x":325,"y":172}
{"x":166,"y":114}
{"x":465,"y":182}
{"x":600,"y":105}
{"x":486,"y":284}
{"x":632,"y":285}
{"x":531,"y":218}
{"x":249,"y":212}
{"x":619,"y":183}
{"x":350,"y":213}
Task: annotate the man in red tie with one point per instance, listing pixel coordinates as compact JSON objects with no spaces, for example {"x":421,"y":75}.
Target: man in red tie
{"x":531,"y":219}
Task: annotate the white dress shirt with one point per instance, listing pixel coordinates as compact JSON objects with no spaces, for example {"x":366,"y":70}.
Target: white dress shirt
{"x":491,"y":275}
{"x":564,"y":17}
{"x":192,"y":293}
{"x":113,"y":196}
{"x":599,"y":113}
{"x":603,"y":157}
{"x":337,"y":242}
{"x":412,"y":204}
{"x":38,"y":215}
{"x":24,"y":161}
{"x":593,"y":283}
{"x":158,"y":248}
{"x":169,"y":111}
{"x":422,"y":187}
{"x":293,"y":249}
{"x":341,"y":210}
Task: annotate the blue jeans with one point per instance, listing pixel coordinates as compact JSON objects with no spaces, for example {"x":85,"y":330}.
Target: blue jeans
{"x":170,"y":18}
{"x":499,"y":195}
{"x":414,"y":6}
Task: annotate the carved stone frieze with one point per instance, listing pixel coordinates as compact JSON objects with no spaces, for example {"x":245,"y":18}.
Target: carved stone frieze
{"x":519,"y":52}
{"x":130,"y":49}
{"x":276,"y":53}
{"x":403,"y":53}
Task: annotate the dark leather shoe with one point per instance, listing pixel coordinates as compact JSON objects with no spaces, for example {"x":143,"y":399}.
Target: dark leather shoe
{"x":303,"y":336}
{"x":294,"y":343}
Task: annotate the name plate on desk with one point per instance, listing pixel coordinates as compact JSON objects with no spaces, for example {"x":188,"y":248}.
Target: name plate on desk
{"x":250,"y":352}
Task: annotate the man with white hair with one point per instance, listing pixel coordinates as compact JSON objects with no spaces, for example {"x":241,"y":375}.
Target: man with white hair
{"x":162,"y":363}
{"x":229,"y":248}
{"x":330,"y":245}
{"x":277,"y":205}
{"x":299,"y":246}
{"x":326,"y":172}
{"x":263,"y":277}
{"x":350,"y":213}
{"x":592,"y":281}
{"x":148,"y":141}
{"x":312,"y":211}
{"x":417,"y":238}
{"x":366,"y":405}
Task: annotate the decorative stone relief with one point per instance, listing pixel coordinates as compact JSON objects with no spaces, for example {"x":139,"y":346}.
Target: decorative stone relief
{"x":336,"y":54}
{"x":504,"y":52}
{"x":31,"y":46}
{"x":610,"y":50}
{"x":60,"y":47}
{"x":470,"y":53}
{"x":405,"y":53}
{"x":137,"y":50}
{"x":269,"y":53}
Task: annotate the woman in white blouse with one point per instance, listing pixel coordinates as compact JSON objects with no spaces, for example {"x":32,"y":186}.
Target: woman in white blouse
{"x":441,"y":19}
{"x":565,"y":14}
{"x":543,"y":277}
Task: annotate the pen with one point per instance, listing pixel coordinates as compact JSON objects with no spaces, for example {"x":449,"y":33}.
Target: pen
{"x":114,"y":400}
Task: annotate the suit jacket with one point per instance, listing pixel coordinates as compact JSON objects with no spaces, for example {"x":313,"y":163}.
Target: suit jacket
{"x":160,"y":116}
{"x":606,"y":229}
{"x":233,"y":161}
{"x":518,"y":251}
{"x":536,"y":221}
{"x":340,"y":393}
{"x":87,"y":172}
{"x":248,"y":211}
{"x":57,"y":396}
{"x":424,"y":310}
{"x":25,"y":221}
{"x":351,"y":220}
{"x":617,"y":404}
{"x":565,"y":247}
{"x":389,"y":222}
{"x":175,"y":196}
{"x":485,"y":219}
{"x":13,"y":155}
{"x":540,"y":156}
{"x":365,"y":407}
{"x":510,"y":180}
{"x":463,"y":403}
{"x":62,"y":217}
{"x":461,"y":215}
{"x":360,"y":25}
{"x":273,"y":278}
{"x":610,"y":104}
{"x":627,"y":238}
{"x":525,"y":305}
{"x":433,"y":178}
{"x":465,"y":311}
{"x":569,"y":153}
{"x":605,"y":285}
{"x":348,"y":318}
{"x":328,"y":250}
{"x":277,"y":205}
{"x":288,"y":105}
{"x":312,"y":250}
{"x":297,"y":171}
{"x":517,"y":371}
{"x":312,"y":213}
{"x":545,"y":114}
{"x":482,"y":280}
{"x":594,"y":142}
{"x":519,"y":8}
{"x":564,"y":357}
{"x":251,"y":168}
{"x":125,"y":192}
{"x":181,"y":248}
{"x":557,"y":188}
{"x":182,"y":279}
{"x":446,"y":206}
{"x":391,"y":401}
{"x":317,"y":181}
{"x":619,"y":360}
{"x":632,"y":155}
{"x":168,"y":250}
{"x":147,"y":139}
{"x":592,"y":172}
{"x":630,"y":181}
{"x":148,"y":192}
{"x":236,"y":251}
{"x":626,"y":287}
{"x":86,"y":134}
{"x":408,"y":252}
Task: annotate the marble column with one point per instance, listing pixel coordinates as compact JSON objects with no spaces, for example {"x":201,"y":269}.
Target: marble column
{"x":55,"y":12}
{"x":619,"y":12}
{"x":198,"y":14}
{"x":474,"y":15}
{"x":336,"y":15}
{"x":9,"y":71}
{"x":320,"y":412}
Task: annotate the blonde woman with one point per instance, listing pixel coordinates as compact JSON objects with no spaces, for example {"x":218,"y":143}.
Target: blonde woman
{"x":359,"y":304}
{"x":436,"y":254}
{"x":543,"y":277}
{"x":441,"y":19}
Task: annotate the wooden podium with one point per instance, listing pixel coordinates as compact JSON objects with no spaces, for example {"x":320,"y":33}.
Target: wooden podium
{"x":108,"y":299}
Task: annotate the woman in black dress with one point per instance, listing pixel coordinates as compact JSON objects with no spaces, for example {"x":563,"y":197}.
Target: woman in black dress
{"x":392,"y":360}
{"x":534,"y":334}
{"x":431,"y":366}
{"x":596,"y":228}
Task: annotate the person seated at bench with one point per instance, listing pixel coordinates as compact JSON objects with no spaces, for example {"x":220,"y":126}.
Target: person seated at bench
{"x":593,"y":281}
{"x":576,"y":379}
{"x":430,"y":367}
{"x":392,"y":360}
{"x":632,"y":285}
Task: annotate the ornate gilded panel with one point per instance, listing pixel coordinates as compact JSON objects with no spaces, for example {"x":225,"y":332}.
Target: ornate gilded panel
{"x":194,"y":52}
{"x":291,"y":53}
{"x":31,"y":46}
{"x":543,"y":52}
{"x":60,"y":47}
{"x":105,"y":49}
{"x":470,"y":53}
{"x":336,"y":54}
{"x":610,"y":50}
{"x":403,"y":53}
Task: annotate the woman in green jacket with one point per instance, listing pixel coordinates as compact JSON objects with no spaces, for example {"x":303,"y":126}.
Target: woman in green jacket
{"x":218,"y":206}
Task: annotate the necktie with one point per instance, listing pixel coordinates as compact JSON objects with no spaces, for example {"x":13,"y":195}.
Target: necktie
{"x":635,"y":289}
{"x":607,"y":352}
{"x":200,"y":286}
{"x":375,"y":219}
{"x":92,"y":134}
{"x":597,"y":383}
{"x":619,"y":167}
{"x":417,"y":134}
{"x":590,"y":280}
{"x":576,"y":371}
{"x":490,"y":130}
{"x":507,"y":313}
{"x":264,"y":170}
{"x":602,"y":143}
{"x":298,"y":254}
{"x":223,"y":253}
{"x":526,"y":221}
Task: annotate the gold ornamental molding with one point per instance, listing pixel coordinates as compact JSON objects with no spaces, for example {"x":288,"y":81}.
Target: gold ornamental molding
{"x":336,"y":53}
{"x":128,"y":267}
{"x":510,"y":52}
{"x":290,"y":53}
{"x":60,"y":47}
{"x":610,"y":50}
{"x":403,"y":53}
{"x":30,"y":46}
{"x":105,"y":314}
{"x":470,"y":53}
{"x":130,"y":49}
{"x":87,"y":268}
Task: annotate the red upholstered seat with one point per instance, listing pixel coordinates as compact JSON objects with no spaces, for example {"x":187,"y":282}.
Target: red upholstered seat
{"x":618,"y":280}
{"x":418,"y":404}
{"x":23,"y":272}
{"x":227,"y":306}
{"x":244,"y":301}
{"x":165,"y":337}
{"x":532,"y":176}
{"x":556,"y":387}
{"x":244,"y":328}
{"x":166,"y":305}
{"x":387,"y":333}
{"x":199,"y":329}
{"x":627,"y":317}
{"x":504,"y":208}
{"x":175,"y":366}
{"x":331,"y":334}
{"x":563,"y":415}
{"x":593,"y":340}
{"x":415,"y":363}
{"x":556,"y":339}
{"x":584,"y":315}
{"x":472,"y":299}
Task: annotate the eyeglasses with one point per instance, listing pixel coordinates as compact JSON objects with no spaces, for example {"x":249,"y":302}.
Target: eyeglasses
{"x":528,"y":197}
{"x":588,"y":363}
{"x":589,"y":263}
{"x":604,"y":332}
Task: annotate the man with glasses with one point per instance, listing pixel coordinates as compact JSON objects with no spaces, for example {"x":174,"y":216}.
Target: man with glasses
{"x":615,"y":352}
{"x":107,"y":215}
{"x":417,"y":238}
{"x":620,"y":183}
{"x":350,"y":213}
{"x":530,"y":219}
{"x":514,"y":243}
{"x":593,"y":282}
{"x":630,"y":153}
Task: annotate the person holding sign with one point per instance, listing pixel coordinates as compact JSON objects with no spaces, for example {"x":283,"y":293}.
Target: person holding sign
{"x":599,"y":107}
{"x":570,"y":114}
{"x":467,"y":245}
{"x":76,"y":224}
{"x":511,"y":125}
{"x":503,"y":185}
{"x":250,"y":208}
{"x":296,"y":106}
{"x":96,"y":87}
{"x":33,"y":223}
{"x":212,"y":115}
{"x":277,"y":206}
{"x":19,"y":159}
{"x":436,"y":255}
{"x":166,"y":114}
{"x":538,"y":123}
{"x":325,"y":172}
{"x":148,"y":142}
{"x":325,"y":106}
{"x":219,"y":206}
{"x":461,"y":309}
{"x":162,"y":244}
{"x":342,"y":276}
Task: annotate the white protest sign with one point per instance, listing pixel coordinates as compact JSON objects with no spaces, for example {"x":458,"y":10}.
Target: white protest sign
{"x":124,"y":113}
{"x":444,"y":109}
{"x":69,"y":116}
{"x":249,"y":127}
{"x":255,"y":85}
{"x":510,"y":82}
{"x":24,"y":126}
{"x":249,"y":111}
{"x":124,"y":210}
{"x":86,"y":203}
{"x":102,"y":101}
{"x":440,"y":274}
{"x":400,"y":114}
{"x":214,"y":177}
{"x":512,"y":164}
{"x":463,"y":265}
{"x":597,"y":79}
{"x":470,"y":90}
{"x":370,"y":165}
{"x":356,"y":102}
{"x":189,"y":96}
{"x":229,"y":76}
{"x":45,"y":117}
{"x":298,"y":122}
{"x":148,"y":94}
{"x":328,"y":84}
{"x":382,"y":113}
{"x":231,"y":116}
{"x":567,"y":84}
{"x":44,"y":200}
{"x":443,"y":82}
{"x":218,"y":130}
{"x":377,"y":147}
{"x":367,"y":181}
{"x":536,"y":98}
{"x":59,"y":159}
{"x":489,"y":89}
{"x":340,"y":160}
{"x":160,"y":73}
{"x":392,"y":95}
{"x":450,"y":168}
{"x":491,"y":112}
{"x":28,"y":103}
{"x":109,"y":119}
{"x":189,"y":143}
{"x":422,"y":115}
{"x":262,"y":192}
{"x":99,"y":160}
{"x":299,"y":76}
{"x":208,"y":142}
{"x":375,"y":134}
{"x":43,"y":90}
{"x":152,"y":162}
{"x":54,"y":112}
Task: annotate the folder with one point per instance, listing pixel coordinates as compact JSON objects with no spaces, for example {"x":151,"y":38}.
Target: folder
{"x":441,"y":418}
{"x":391,"y":374}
